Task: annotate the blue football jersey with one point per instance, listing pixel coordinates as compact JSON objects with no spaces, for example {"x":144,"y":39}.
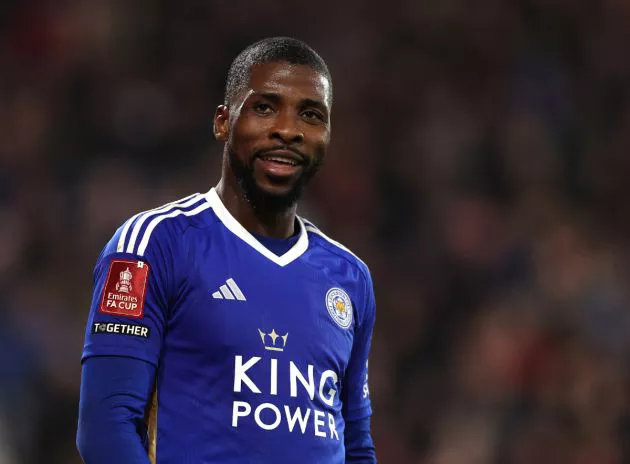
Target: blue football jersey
{"x":260,"y":358}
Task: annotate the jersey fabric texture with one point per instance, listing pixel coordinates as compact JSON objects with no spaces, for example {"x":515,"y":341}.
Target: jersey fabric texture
{"x":260,"y":358}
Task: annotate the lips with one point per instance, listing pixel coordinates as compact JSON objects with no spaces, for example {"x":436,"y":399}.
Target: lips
{"x":280,"y":164}
{"x":280,"y":159}
{"x":282,"y":156}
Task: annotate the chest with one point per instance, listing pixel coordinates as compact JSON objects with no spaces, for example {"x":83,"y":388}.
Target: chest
{"x":236,"y":302}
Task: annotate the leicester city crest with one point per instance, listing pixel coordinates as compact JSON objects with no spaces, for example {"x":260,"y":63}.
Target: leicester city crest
{"x":339,"y":307}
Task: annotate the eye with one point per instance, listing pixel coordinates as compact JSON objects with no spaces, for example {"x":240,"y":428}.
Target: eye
{"x":312,"y":115}
{"x":262,"y":108}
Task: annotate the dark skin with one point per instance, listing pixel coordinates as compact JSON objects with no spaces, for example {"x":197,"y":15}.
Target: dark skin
{"x":276,"y":131}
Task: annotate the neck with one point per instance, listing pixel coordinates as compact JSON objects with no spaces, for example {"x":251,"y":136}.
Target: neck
{"x":275,"y":224}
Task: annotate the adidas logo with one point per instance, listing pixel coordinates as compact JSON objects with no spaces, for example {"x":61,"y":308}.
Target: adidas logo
{"x":229,"y":291}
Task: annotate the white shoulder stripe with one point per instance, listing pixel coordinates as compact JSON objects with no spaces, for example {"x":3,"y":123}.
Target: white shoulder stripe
{"x":123,"y":235}
{"x":141,"y":220}
{"x":155,"y":221}
{"x":311,"y":228}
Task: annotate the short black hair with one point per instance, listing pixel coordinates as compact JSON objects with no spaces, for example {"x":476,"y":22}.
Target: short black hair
{"x":283,"y":49}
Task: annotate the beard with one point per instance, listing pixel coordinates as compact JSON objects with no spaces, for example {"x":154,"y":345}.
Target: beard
{"x":259,"y":198}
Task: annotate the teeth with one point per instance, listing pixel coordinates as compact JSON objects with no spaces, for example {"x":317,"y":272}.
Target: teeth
{"x":281,"y":160}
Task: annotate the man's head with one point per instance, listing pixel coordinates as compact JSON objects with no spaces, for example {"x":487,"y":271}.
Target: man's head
{"x":275,"y":121}
{"x":275,"y":49}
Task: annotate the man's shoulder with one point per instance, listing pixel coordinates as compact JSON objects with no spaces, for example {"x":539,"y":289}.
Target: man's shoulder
{"x":158,"y":225}
{"x":334,"y":247}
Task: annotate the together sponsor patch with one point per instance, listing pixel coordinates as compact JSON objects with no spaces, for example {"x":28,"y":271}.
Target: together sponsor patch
{"x":134,"y":330}
{"x":125,"y":287}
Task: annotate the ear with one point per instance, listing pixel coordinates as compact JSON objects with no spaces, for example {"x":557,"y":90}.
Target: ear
{"x":221,"y":123}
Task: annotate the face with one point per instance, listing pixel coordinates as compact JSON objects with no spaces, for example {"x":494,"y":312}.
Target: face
{"x":276,"y":132}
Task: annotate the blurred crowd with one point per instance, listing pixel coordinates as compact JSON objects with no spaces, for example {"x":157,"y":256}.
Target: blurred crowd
{"x":477,"y":165}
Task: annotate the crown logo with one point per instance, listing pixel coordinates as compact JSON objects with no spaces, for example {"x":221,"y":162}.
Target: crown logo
{"x":124,"y":284}
{"x":274,"y":338}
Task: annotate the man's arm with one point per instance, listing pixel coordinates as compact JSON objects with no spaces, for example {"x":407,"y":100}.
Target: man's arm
{"x":357,"y":408}
{"x":115,"y":392}
{"x":358,"y":442}
{"x":123,"y":341}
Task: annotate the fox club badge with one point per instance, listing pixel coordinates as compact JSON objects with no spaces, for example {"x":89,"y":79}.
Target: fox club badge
{"x":339,"y":307}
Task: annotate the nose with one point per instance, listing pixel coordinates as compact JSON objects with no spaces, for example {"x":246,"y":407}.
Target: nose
{"x":286,"y":130}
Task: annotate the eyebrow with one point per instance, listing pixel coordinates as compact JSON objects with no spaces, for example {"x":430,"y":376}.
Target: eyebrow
{"x":315,"y":103}
{"x":305,"y":102}
{"x":274,"y":97}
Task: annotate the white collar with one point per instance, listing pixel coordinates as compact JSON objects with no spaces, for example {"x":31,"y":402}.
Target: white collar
{"x":237,"y":229}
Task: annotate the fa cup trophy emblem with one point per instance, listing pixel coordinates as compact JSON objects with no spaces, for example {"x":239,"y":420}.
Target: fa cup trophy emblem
{"x":124,"y":284}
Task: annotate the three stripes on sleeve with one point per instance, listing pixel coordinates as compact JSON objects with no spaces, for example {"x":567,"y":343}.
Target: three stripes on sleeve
{"x":136,"y":233}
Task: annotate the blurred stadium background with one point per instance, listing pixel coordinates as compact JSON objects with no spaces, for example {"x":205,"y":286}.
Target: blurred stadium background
{"x":479,"y":164}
